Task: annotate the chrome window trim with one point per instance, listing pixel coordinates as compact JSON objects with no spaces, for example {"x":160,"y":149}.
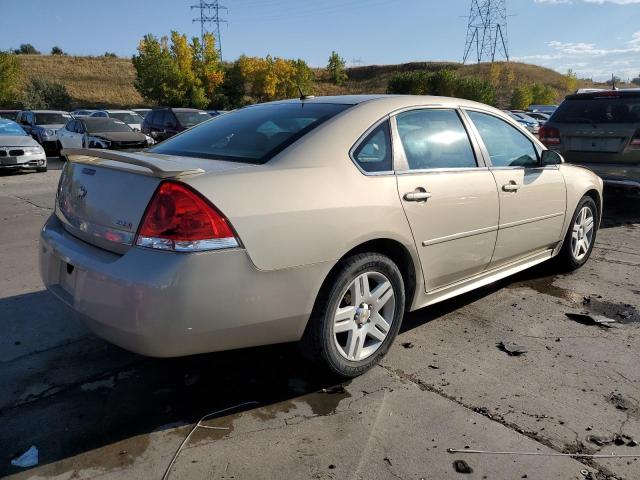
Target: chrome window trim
{"x":363,"y":137}
{"x":403,"y":167}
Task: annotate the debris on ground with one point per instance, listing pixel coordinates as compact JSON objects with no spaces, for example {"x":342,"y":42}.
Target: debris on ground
{"x":407,"y":344}
{"x":434,"y":367}
{"x":601,"y":441}
{"x":461,"y":466}
{"x":334,"y":389}
{"x":512,"y":349}
{"x":27,"y":459}
{"x":387,"y":461}
{"x":620,"y":402}
{"x":587,"y":319}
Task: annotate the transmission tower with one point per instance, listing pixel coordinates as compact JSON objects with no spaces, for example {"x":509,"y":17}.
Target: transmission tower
{"x":487,"y":31}
{"x":210,"y":15}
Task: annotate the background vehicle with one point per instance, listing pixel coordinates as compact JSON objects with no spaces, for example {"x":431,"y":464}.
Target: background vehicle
{"x":141,"y":111}
{"x":43,"y":126}
{"x":539,"y":116}
{"x":527,"y":122}
{"x":548,"y":109}
{"x":9,"y":114}
{"x":215,"y":113}
{"x":82,"y":113}
{"x":18,"y":150}
{"x":162,"y":123}
{"x":129,"y":117}
{"x":109,"y":133}
{"x":322,"y":219}
{"x":601,"y":131}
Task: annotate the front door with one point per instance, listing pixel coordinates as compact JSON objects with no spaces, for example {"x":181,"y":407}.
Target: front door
{"x":532,"y":196}
{"x":448,"y":195}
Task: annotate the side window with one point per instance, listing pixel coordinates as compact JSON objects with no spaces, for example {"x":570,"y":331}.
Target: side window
{"x":169,"y":119}
{"x":100,"y":114}
{"x":79,"y":127}
{"x":151,"y":119}
{"x":506,"y":145}
{"x":374,"y":153}
{"x":70,"y":126}
{"x":435,"y":139}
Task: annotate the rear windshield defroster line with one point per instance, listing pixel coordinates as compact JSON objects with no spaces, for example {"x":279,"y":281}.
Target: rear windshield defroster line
{"x":252,"y":134}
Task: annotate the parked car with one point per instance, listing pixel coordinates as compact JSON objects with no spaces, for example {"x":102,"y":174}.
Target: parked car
{"x":322,"y":220}
{"x":18,"y":151}
{"x":141,"y":111}
{"x":9,"y":114}
{"x":81,"y":113}
{"x":162,"y":123}
{"x":215,"y":113}
{"x":129,"y":117}
{"x":539,"y":116}
{"x":601,"y":131}
{"x":527,"y":122}
{"x":43,"y":126}
{"x":548,"y":109}
{"x":98,"y":132}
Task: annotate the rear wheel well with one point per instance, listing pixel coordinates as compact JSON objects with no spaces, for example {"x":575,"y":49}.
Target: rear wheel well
{"x":397,"y":252}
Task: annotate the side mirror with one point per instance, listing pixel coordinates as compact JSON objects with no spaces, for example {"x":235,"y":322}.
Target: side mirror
{"x":551,"y":157}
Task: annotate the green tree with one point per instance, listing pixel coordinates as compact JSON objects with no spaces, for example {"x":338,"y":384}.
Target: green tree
{"x":43,"y":94}
{"x":57,"y":51}
{"x":521,"y":97}
{"x":9,"y":78}
{"x":444,"y":83}
{"x":570,"y":81}
{"x":26,"y":49}
{"x":110,"y":55}
{"x":336,"y":68}
{"x":543,"y":94}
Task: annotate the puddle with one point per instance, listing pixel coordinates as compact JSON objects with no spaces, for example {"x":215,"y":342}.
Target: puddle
{"x":546,"y":286}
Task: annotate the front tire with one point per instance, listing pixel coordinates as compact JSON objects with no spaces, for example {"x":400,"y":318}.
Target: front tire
{"x":581,"y":235}
{"x":357,"y":315}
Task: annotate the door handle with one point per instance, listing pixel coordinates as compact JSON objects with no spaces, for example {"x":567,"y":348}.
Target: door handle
{"x":512,"y":186}
{"x":419,"y":195}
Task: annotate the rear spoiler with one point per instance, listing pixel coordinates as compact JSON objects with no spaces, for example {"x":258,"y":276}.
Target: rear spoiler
{"x":158,"y":167}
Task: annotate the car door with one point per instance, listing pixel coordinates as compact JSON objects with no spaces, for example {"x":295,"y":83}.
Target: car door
{"x":65,"y":133}
{"x":448,"y":194}
{"x":78,"y":134}
{"x":532,"y":196}
{"x":170,"y":124}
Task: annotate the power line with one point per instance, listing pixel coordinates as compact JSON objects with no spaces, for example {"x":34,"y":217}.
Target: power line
{"x":487,"y":31}
{"x":210,"y":14}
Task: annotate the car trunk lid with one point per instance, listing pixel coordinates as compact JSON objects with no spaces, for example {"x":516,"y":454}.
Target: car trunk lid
{"x":103,"y":194}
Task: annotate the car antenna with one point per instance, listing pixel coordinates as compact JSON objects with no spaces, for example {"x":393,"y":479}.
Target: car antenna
{"x":302,"y":95}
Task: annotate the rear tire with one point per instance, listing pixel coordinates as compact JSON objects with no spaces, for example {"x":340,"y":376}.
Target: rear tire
{"x":581,"y":235}
{"x":357,"y":315}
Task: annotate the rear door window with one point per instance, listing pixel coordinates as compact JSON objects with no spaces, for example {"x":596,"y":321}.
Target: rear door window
{"x":434,"y":138}
{"x":252,"y":134}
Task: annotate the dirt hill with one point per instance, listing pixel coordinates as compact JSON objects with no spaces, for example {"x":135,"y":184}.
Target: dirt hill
{"x":108,"y":81}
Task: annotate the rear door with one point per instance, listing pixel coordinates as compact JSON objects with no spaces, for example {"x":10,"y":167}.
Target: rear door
{"x":448,"y":194}
{"x":532,"y":197}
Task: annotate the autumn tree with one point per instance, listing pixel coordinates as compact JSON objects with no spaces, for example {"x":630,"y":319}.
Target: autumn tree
{"x":543,"y":95}
{"x":570,"y":81}
{"x":521,"y":97}
{"x":9,"y":78}
{"x":336,"y":69}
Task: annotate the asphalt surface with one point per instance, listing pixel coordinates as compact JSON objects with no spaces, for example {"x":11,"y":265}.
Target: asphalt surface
{"x":96,"y":411}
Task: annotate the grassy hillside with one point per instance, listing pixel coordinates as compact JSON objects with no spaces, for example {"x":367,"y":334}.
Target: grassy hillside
{"x":91,"y":81}
{"x":100,"y":81}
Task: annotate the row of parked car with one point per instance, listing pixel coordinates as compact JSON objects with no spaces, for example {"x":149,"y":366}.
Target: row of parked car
{"x":28,"y":133}
{"x":533,"y":118}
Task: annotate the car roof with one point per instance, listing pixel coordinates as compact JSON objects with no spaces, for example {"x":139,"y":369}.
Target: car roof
{"x":98,"y":119}
{"x":47,"y":111}
{"x":624,"y":93}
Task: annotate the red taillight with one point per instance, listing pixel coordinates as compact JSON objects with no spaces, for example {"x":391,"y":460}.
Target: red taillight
{"x":179,"y":219}
{"x":635,"y":141}
{"x":549,"y":135}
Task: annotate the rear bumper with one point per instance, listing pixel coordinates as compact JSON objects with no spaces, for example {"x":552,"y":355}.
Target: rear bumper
{"x":166,"y":304}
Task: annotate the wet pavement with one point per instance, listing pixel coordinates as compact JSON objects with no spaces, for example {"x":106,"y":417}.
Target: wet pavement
{"x":94,"y":410}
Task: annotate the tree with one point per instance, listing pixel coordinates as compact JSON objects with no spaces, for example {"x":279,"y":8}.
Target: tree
{"x":9,"y":78}
{"x":26,"y":49}
{"x":570,"y":81}
{"x":521,"y":97}
{"x":110,"y":55}
{"x":43,"y":94}
{"x":336,"y":69}
{"x":543,"y":95}
{"x":57,"y":51}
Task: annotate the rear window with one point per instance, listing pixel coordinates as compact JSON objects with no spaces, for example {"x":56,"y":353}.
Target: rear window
{"x":598,"y":110}
{"x":107,"y":125}
{"x":252,"y":134}
{"x":126,"y":117}
{"x":51,"y":118}
{"x":189,"y":119}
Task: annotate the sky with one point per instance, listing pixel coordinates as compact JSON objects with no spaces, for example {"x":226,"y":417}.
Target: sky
{"x":594,"y":38}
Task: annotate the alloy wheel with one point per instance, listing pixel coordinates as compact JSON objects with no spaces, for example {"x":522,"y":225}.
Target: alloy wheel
{"x":582,"y":234}
{"x":364,"y":315}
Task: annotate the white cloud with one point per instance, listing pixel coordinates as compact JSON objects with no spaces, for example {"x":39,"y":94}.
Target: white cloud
{"x":589,"y":60}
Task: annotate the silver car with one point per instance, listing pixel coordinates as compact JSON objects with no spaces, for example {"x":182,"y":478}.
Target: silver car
{"x":43,"y":126}
{"x":18,"y":151}
{"x":320,"y":220}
